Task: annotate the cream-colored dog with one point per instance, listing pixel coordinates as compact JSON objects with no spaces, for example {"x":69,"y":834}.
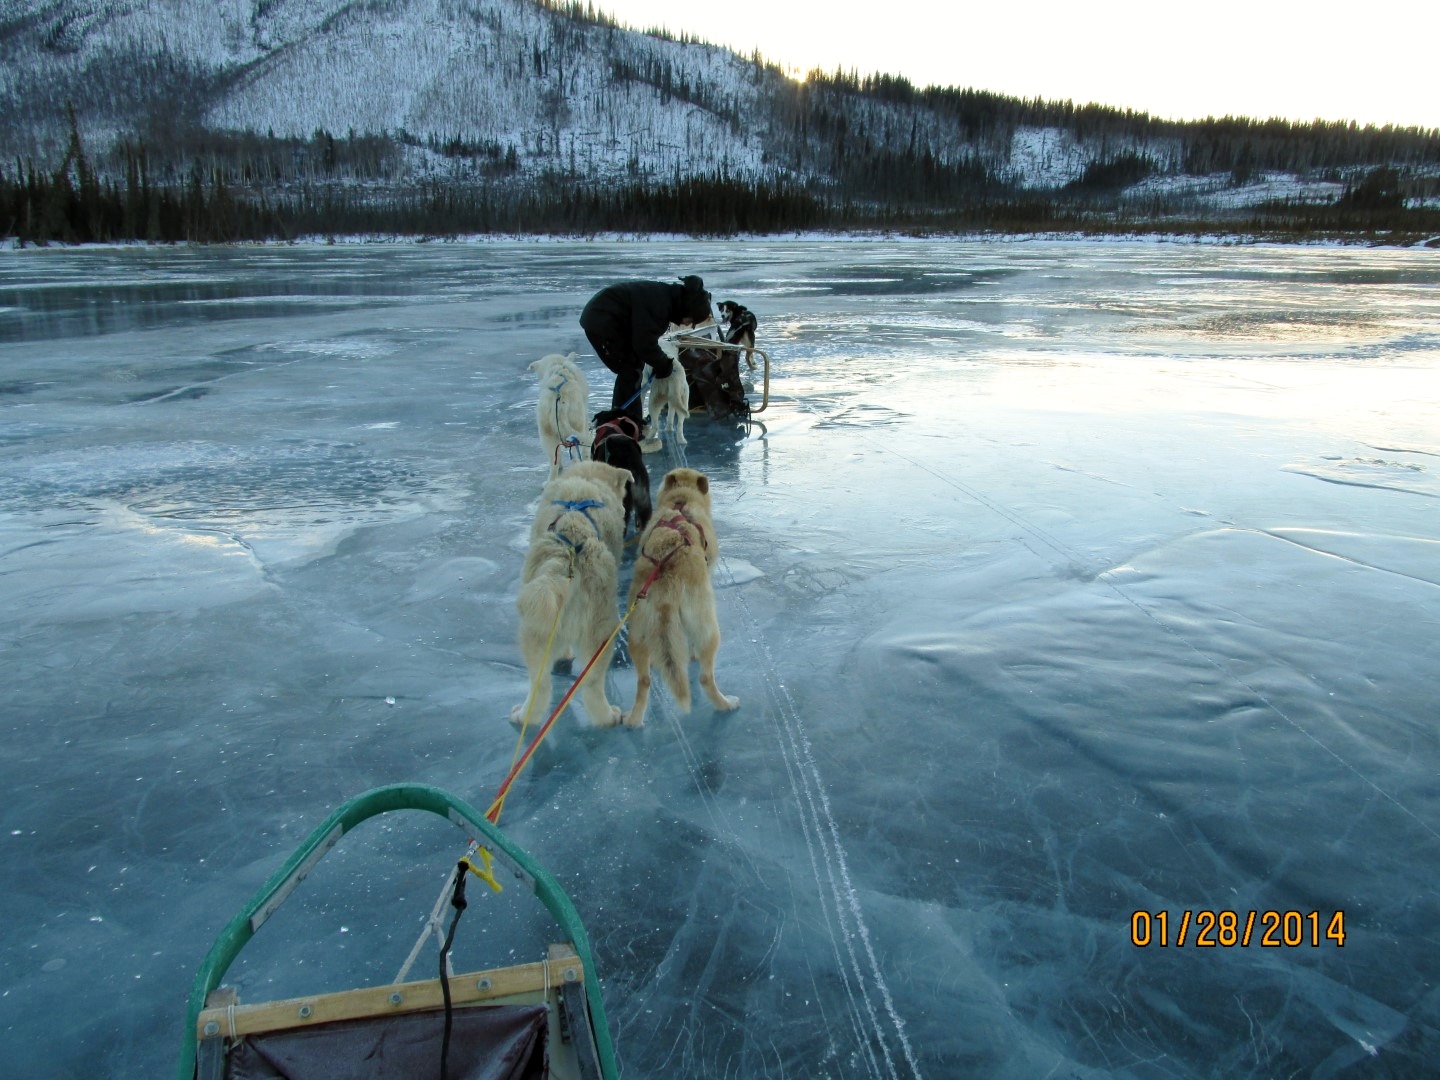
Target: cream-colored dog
{"x":674,"y":619}
{"x":562,"y":413}
{"x":668,"y":403}
{"x":569,"y":583}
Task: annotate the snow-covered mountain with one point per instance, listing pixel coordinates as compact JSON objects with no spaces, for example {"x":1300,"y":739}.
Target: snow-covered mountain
{"x":521,"y":89}
{"x":564,"y":91}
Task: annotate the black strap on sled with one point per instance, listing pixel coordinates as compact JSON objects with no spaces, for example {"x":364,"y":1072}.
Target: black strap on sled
{"x":458,"y":902}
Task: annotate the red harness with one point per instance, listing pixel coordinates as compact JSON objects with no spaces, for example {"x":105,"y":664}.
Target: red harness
{"x":673,"y":520}
{"x":623,"y":425}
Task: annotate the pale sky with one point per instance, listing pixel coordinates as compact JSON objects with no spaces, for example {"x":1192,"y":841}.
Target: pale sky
{"x":1372,"y":62}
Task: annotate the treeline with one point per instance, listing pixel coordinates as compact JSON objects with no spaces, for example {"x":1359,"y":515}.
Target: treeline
{"x":1244,"y":147}
{"x":1226,"y":144}
{"x":1229,"y":144}
{"x":75,"y":206}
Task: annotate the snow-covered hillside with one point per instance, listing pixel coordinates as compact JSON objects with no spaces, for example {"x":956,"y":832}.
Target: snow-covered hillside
{"x":524,"y":89}
{"x":566,"y":93}
{"x":504,"y":72}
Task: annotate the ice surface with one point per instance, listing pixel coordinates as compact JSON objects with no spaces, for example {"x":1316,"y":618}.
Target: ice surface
{"x":1060,"y":581}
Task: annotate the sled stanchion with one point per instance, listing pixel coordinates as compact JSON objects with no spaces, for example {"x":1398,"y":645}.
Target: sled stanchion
{"x":765,"y":391}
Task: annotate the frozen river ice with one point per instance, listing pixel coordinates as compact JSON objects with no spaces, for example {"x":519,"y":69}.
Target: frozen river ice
{"x":1062,"y":581}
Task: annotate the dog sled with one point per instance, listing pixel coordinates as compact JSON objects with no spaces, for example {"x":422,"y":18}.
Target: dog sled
{"x":718,"y":372}
{"x":524,"y":1021}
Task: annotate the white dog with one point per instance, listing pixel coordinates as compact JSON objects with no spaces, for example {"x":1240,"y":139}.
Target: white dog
{"x":569,"y":584}
{"x":562,"y":411}
{"x":669,"y":398}
{"x":674,"y":620}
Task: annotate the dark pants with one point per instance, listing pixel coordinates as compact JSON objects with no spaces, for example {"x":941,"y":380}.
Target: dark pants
{"x":616,"y":355}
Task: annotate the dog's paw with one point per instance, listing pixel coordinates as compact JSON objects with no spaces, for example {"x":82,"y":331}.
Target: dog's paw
{"x":649,"y":446}
{"x":633,"y":721}
{"x":614,"y":716}
{"x":731,"y":703}
{"x":517,"y":715}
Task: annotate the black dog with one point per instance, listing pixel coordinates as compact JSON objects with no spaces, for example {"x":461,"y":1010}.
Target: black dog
{"x":617,"y":442}
{"x":740,"y":328}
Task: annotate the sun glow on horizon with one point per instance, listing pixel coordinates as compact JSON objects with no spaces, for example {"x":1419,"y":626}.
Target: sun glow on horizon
{"x":1258,"y":59}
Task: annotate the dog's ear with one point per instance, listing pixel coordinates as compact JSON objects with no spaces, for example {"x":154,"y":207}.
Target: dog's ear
{"x":703,"y":483}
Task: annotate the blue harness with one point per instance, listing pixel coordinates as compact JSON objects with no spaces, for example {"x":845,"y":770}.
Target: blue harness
{"x":571,"y":443}
{"x":580,"y":506}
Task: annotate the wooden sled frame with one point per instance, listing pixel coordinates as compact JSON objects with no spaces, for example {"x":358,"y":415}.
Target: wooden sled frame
{"x":569,"y":969}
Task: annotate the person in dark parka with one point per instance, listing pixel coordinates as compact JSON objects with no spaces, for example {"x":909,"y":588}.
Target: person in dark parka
{"x":623,"y":323}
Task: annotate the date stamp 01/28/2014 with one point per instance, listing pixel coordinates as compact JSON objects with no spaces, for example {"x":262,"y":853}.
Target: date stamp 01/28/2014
{"x":1204,"y":929}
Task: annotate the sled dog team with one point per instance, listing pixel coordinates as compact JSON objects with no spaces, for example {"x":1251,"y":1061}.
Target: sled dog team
{"x":570,"y":580}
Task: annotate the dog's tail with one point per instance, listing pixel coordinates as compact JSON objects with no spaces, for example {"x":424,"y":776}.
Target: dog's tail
{"x":672,"y":656}
{"x":541,"y":601}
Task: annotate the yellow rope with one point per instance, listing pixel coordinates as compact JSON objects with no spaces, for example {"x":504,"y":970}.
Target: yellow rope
{"x":486,"y":875}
